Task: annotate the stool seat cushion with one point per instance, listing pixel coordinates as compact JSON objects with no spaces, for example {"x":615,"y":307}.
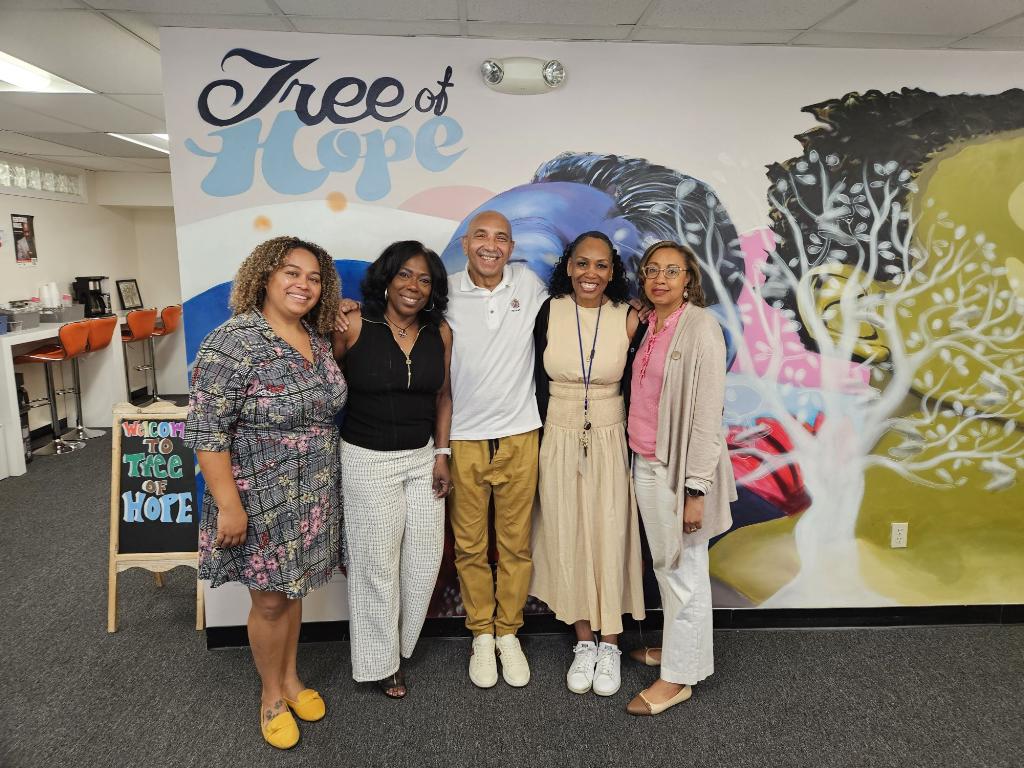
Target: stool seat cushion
{"x":45,"y":354}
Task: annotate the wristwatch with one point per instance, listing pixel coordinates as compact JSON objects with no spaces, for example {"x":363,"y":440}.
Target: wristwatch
{"x":693,"y":492}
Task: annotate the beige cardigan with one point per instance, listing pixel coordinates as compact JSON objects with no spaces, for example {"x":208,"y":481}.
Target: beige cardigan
{"x":691,"y":437}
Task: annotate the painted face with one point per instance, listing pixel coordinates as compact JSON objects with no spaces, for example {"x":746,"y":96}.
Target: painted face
{"x":294,"y":287}
{"x":665,"y":289}
{"x":488,"y":245}
{"x":409,"y":290}
{"x":590,"y":269}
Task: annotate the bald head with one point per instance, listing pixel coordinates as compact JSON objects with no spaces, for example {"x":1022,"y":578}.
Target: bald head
{"x":488,"y":245}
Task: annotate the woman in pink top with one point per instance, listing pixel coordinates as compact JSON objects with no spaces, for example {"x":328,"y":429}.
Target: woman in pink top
{"x":682,"y":476}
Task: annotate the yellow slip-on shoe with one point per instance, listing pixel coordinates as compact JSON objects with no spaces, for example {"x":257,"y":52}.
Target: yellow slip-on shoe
{"x":281,"y":731}
{"x":308,"y":705}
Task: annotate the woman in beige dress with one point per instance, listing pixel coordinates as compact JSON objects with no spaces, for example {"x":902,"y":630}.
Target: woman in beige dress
{"x":586,"y":537}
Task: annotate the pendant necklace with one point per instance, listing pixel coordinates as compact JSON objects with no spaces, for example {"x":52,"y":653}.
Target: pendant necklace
{"x":585,"y":368}
{"x":399,"y":329}
{"x":407,"y":355}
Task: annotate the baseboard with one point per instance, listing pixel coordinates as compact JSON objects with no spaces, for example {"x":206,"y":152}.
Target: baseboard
{"x":725,"y":618}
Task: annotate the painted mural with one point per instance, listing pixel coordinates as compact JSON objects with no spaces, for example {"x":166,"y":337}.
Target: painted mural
{"x":873,"y":313}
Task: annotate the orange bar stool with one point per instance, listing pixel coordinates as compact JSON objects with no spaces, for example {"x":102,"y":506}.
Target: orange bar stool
{"x":170,"y":321}
{"x":74,"y":340}
{"x":101,"y":331}
{"x":140,"y":326}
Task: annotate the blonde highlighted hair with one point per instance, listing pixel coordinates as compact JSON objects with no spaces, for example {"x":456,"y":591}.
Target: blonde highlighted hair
{"x":694,"y":287}
{"x":249,"y":288}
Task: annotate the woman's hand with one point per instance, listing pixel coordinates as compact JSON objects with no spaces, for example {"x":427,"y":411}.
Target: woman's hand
{"x":345,"y":307}
{"x":693,"y":514}
{"x":442,"y":477}
{"x":232,"y":524}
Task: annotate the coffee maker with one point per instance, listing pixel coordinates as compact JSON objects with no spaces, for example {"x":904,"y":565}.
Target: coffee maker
{"x":89,"y":293}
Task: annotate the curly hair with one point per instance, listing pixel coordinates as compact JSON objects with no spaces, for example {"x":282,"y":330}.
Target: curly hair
{"x":695,"y":288}
{"x":249,"y":288}
{"x":380,"y":274}
{"x":560,"y":284}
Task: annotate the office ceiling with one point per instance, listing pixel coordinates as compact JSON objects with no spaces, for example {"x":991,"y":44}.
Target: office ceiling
{"x":111,"y":47}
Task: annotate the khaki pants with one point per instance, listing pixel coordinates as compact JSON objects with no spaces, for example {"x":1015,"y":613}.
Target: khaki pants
{"x":506,"y":467}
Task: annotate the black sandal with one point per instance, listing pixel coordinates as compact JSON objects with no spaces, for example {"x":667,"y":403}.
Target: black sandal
{"x":393,"y":683}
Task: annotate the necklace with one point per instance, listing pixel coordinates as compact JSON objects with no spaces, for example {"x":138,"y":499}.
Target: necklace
{"x":586,"y":367}
{"x":399,"y":329}
{"x":407,"y":355}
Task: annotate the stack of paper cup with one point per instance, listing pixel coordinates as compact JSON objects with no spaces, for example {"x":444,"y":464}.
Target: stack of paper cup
{"x":49,"y":296}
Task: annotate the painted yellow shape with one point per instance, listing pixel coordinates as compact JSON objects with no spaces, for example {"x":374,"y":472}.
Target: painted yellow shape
{"x":757,"y":560}
{"x":337,"y":201}
{"x":1015,"y":205}
{"x":1015,"y":274}
{"x":261,"y":223}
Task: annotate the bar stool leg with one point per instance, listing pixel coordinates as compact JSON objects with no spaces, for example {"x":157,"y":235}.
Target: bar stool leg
{"x":127,"y":374}
{"x":152,"y":366}
{"x":79,"y":432}
{"x":59,"y":446}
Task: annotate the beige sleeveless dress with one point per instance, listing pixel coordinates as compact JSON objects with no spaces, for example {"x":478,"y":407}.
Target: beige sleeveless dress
{"x":586,"y":536}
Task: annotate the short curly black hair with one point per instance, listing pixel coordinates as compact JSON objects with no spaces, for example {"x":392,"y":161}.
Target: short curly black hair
{"x":380,"y":274}
{"x":560,"y":284}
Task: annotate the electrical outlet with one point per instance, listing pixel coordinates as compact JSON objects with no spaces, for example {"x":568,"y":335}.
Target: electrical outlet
{"x":898,"y":535}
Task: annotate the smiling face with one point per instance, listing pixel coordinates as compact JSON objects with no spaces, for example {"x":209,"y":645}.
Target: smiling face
{"x":488,"y":245}
{"x":662,"y":290}
{"x":293,"y":289}
{"x":409,"y":290}
{"x":590,"y":270}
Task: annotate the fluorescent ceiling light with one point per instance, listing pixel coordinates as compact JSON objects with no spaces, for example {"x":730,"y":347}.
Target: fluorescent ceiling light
{"x":18,"y":75}
{"x":163,"y":136}
{"x":141,"y":140}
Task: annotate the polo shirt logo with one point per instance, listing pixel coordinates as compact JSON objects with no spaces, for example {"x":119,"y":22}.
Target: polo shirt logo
{"x":515,"y":306}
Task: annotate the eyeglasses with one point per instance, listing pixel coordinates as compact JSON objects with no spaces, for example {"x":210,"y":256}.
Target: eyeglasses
{"x":672,"y":271}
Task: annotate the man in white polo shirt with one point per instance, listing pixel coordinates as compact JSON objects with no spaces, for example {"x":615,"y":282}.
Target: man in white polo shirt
{"x":492,"y":306}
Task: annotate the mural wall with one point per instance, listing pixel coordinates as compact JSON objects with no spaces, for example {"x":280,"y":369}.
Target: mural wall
{"x":870,"y":285}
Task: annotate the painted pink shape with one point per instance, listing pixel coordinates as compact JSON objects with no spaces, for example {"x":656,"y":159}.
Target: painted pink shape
{"x":800,"y":366}
{"x":447,"y":202}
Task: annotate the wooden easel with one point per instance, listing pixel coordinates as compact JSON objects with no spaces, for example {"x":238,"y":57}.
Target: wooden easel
{"x":158,"y":562}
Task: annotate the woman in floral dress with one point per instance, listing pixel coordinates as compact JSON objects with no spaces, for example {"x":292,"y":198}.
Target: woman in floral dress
{"x":265,"y":391}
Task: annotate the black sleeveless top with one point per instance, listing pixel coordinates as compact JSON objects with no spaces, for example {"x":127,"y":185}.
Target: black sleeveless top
{"x":392,"y":406}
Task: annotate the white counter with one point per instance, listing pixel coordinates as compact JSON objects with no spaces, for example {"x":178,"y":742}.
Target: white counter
{"x":102,"y":386}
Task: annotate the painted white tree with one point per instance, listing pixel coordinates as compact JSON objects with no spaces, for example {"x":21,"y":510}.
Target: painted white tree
{"x":906,"y":309}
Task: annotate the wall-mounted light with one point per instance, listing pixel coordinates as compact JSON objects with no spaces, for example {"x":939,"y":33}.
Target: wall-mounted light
{"x":522,"y":75}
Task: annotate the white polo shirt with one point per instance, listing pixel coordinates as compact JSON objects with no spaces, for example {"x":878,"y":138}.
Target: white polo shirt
{"x":492,"y":355}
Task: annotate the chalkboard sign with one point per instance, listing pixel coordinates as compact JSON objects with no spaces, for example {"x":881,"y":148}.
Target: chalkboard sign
{"x":154,"y":522}
{"x":158,"y":486}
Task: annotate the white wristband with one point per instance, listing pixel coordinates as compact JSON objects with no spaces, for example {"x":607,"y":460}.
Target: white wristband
{"x":442,"y":451}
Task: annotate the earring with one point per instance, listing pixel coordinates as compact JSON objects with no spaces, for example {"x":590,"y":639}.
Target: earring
{"x":686,"y":294}
{"x":385,"y":295}
{"x":431,"y":307}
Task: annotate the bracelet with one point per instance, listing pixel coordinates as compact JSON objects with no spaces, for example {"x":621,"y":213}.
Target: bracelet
{"x":442,"y":451}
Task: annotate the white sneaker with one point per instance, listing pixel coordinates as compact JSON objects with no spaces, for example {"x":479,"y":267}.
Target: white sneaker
{"x":514,"y":667}
{"x":580,"y":677}
{"x":606,"y":672}
{"x":483,"y":669}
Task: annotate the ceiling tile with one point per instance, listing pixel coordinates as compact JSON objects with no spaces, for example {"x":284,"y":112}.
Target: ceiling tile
{"x":97,"y":163}
{"x":374,"y":27}
{"x":138,"y":24}
{"x":548,"y":31}
{"x":151,"y":105}
{"x":152,"y":21}
{"x":742,"y":14}
{"x":16,"y":118}
{"x":862,"y":40}
{"x":1012,"y":28}
{"x":86,"y":48}
{"x":566,"y":12}
{"x":183,"y":6}
{"x":372,"y":9}
{"x":20,"y":144}
{"x":982,"y":43}
{"x":153,"y":164}
{"x":922,"y":17}
{"x":41,"y":5}
{"x":100,"y":144}
{"x":716,"y":36}
{"x":91,"y":110}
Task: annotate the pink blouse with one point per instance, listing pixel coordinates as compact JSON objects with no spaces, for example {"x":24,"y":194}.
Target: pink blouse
{"x":648,"y":374}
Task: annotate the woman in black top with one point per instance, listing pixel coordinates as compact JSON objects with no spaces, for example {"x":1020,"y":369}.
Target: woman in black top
{"x":394,"y":456}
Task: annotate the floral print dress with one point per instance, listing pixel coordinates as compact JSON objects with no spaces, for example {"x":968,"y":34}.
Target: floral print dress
{"x":256,"y":396}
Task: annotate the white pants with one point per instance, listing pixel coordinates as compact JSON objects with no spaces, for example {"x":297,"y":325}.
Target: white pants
{"x":687,"y":653}
{"x":394,"y":528}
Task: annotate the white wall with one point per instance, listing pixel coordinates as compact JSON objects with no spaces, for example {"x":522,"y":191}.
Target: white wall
{"x":74,"y":239}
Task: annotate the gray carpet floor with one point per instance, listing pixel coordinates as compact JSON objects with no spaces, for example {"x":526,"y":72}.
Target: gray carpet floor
{"x":152,"y":695}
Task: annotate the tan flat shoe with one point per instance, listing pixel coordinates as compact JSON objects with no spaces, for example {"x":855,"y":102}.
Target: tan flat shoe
{"x":641,"y":706}
{"x":643,"y":655}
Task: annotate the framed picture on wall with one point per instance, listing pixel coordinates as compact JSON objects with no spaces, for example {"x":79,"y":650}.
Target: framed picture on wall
{"x":128,"y":292}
